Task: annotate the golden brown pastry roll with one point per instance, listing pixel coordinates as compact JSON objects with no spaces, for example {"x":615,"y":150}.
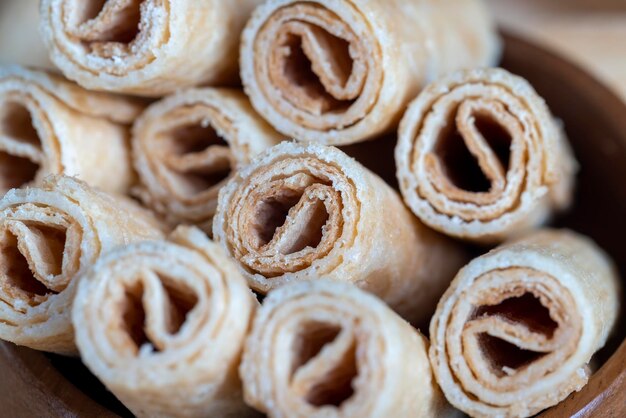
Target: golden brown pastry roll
{"x":516,"y":329}
{"x":49,"y":236}
{"x":339,"y":72}
{"x":304,"y":211}
{"x":162,"y":325}
{"x":187,"y":145}
{"x":324,"y":348}
{"x":145,"y":47}
{"x":480,"y":156}
{"x":50,"y":126}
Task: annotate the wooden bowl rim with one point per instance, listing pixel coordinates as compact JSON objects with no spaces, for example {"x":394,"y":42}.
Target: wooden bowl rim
{"x":605,"y":393}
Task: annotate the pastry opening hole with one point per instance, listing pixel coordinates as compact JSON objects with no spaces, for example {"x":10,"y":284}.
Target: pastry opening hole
{"x":497,"y":137}
{"x":526,"y":310}
{"x":311,"y":338}
{"x":15,"y":273}
{"x":193,"y":139}
{"x":504,"y":357}
{"x":181,"y":299}
{"x":16,"y":171}
{"x":272,"y":213}
{"x":199,"y":172}
{"x":91,"y":8}
{"x":306,"y":226}
{"x":334,"y":387}
{"x":16,"y":123}
{"x":134,"y":316}
{"x":461,"y":167}
{"x":51,"y":247}
{"x":122,"y":26}
{"x":199,"y":180}
{"x":298,"y":70}
{"x":310,"y":229}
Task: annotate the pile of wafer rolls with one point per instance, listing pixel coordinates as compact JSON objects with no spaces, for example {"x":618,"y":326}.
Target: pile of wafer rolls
{"x":181,"y":210}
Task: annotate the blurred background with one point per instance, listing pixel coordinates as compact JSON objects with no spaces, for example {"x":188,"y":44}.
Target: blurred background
{"x":590,"y":32}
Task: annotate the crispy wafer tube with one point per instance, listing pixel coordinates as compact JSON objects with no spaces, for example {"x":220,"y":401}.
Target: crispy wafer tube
{"x":515,"y":331}
{"x":339,"y":72}
{"x":480,"y":156}
{"x":145,"y":47}
{"x":48,"y":237}
{"x":162,"y":325}
{"x":187,"y":145}
{"x":304,"y":211}
{"x":51,"y":126}
{"x":329,"y":349}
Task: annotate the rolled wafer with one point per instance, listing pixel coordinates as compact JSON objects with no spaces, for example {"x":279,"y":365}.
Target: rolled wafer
{"x":339,"y":72}
{"x":186,"y":146}
{"x":329,"y":349}
{"x":480,"y":156}
{"x":515,"y":331}
{"x":51,"y":126}
{"x":145,"y":47}
{"x":304,"y":211}
{"x":49,"y":236}
{"x":162,"y":325}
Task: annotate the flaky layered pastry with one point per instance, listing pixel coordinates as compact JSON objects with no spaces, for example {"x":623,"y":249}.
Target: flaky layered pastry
{"x":304,"y":211}
{"x":50,"y":126}
{"x":516,"y":329}
{"x":48,"y":237}
{"x":187,"y":145}
{"x":339,"y":72}
{"x":480,"y":156}
{"x":145,"y":47}
{"x":162,"y":325}
{"x":329,"y":349}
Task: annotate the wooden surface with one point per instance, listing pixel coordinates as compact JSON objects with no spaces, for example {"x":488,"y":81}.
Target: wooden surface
{"x":595,"y":121}
{"x":603,"y":397}
{"x":592,"y":33}
{"x":36,"y":384}
{"x":31,"y":386}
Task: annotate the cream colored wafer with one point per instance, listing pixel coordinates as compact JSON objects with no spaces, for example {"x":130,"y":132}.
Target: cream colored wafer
{"x":145,"y":47}
{"x":51,"y":126}
{"x":480,"y":156}
{"x":329,"y":349}
{"x":515,"y":331}
{"x":340,"y":71}
{"x":49,"y":237}
{"x":304,"y":211}
{"x":162,"y":325}
{"x":188,"y":145}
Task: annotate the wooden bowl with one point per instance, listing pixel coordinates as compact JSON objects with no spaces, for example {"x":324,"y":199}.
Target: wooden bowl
{"x":38,"y":384}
